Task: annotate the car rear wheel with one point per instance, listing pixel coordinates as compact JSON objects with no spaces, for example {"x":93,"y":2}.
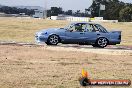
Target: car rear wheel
{"x":102,"y":42}
{"x":53,"y":40}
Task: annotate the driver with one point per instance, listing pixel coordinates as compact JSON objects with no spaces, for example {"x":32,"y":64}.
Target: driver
{"x":78,"y":27}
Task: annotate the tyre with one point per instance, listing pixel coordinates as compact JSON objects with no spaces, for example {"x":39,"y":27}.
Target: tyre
{"x":47,"y":43}
{"x":102,"y":42}
{"x":53,"y":40}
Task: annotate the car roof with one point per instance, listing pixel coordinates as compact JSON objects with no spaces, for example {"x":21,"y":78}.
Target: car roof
{"x":82,"y":23}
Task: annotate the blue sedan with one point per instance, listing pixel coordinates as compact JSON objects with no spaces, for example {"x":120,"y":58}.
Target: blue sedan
{"x":79,"y":33}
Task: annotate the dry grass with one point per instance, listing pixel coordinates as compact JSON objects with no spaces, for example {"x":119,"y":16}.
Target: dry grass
{"x":23,"y":29}
{"x":38,"y":67}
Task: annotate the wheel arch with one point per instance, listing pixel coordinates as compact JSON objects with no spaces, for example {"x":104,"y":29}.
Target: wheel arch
{"x":56,"y":35}
{"x":102,"y":37}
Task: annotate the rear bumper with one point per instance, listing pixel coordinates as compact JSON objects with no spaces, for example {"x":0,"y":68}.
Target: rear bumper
{"x":114,"y":42}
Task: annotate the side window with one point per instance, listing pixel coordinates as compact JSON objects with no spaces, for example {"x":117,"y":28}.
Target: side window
{"x":72,"y":27}
{"x":90,"y":28}
{"x":100,"y":28}
{"x":84,"y":27}
{"x":96,"y":29}
{"x":79,"y":27}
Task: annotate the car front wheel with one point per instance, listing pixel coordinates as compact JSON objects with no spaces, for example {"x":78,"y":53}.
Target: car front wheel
{"x":53,"y":40}
{"x":102,"y":42}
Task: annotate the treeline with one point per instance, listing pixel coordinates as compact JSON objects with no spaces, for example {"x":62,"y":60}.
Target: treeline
{"x":14,"y":10}
{"x":54,"y":11}
{"x":115,"y":10}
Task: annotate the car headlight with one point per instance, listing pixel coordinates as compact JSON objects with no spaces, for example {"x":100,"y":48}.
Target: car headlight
{"x":44,"y":33}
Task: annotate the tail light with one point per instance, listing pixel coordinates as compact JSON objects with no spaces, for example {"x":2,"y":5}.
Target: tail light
{"x":119,"y":37}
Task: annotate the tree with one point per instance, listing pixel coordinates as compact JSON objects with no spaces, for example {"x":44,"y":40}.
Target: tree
{"x":14,"y":10}
{"x":95,"y":8}
{"x":55,"y":11}
{"x":126,"y":14}
{"x":112,"y":9}
{"x":69,"y":12}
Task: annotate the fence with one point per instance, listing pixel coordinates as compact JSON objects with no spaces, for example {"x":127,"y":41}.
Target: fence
{"x":84,"y":19}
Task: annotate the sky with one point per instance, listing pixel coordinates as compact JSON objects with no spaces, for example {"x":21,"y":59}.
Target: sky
{"x":65,"y":4}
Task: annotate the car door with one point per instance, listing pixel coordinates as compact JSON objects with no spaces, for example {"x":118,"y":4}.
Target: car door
{"x":91,"y":34}
{"x":75,"y":34}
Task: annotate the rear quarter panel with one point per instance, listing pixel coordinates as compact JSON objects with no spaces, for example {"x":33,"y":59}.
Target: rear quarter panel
{"x":114,"y":37}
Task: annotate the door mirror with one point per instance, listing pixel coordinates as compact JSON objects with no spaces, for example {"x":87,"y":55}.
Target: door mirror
{"x":70,"y":30}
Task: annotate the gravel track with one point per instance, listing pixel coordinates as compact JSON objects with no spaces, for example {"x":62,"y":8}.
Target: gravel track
{"x":109,"y":50}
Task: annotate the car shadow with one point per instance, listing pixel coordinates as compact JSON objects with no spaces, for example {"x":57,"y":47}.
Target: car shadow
{"x":111,"y":47}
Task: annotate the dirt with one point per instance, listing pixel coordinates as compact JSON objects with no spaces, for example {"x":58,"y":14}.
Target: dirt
{"x":60,"y":67}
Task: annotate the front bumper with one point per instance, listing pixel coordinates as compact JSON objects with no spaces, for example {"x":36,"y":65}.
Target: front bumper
{"x":41,"y":38}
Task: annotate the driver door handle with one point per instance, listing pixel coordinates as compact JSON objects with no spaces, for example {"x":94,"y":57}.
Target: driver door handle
{"x":98,"y":34}
{"x":81,"y":33}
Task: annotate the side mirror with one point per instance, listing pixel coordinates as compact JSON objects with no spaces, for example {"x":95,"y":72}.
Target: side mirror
{"x":70,"y":30}
{"x":61,"y":28}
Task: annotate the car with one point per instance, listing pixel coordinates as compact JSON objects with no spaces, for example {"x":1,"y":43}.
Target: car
{"x":82,"y":33}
